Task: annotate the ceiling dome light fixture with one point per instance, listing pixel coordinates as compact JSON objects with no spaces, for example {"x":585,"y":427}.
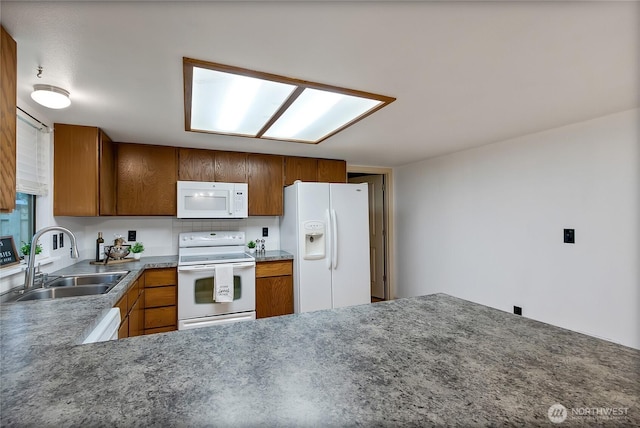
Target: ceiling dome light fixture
{"x":51,"y":96}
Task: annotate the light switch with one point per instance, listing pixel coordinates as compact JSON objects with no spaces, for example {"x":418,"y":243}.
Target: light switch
{"x":569,"y":236}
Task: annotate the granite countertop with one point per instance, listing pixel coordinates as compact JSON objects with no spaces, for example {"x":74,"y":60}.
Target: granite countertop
{"x":272,"y":255}
{"x":431,"y":360}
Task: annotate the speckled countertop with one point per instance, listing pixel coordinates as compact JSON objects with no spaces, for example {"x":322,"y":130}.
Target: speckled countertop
{"x":426,"y":361}
{"x":272,"y":255}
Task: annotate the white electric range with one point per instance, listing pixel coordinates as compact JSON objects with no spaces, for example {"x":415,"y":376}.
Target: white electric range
{"x":200,"y":255}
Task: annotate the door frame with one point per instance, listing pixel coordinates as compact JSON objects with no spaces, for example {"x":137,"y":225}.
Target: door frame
{"x":389,"y":291}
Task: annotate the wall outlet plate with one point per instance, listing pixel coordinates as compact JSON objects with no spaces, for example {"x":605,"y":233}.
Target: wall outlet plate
{"x":55,"y":241}
{"x":265,"y":232}
{"x":517,"y":310}
{"x":61,"y":240}
{"x":131,"y":236}
{"x":569,"y":236}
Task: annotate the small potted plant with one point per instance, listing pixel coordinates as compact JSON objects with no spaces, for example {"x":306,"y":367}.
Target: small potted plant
{"x":137,"y":249}
{"x":252,"y":247}
{"x":25,"y":249}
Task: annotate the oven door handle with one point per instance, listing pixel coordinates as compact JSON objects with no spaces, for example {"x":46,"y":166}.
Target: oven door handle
{"x":213,"y":266}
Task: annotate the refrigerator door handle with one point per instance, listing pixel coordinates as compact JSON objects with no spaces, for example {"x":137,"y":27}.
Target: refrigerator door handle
{"x":334,"y":239}
{"x":329,"y":240}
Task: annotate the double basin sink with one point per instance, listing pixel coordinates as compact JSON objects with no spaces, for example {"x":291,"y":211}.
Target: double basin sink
{"x":68,"y":286}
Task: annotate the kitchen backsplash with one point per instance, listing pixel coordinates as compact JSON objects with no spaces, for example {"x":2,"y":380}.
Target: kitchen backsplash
{"x":159,"y":235}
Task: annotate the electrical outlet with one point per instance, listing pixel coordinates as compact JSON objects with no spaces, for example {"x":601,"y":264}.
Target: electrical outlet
{"x":517,"y":310}
{"x":569,"y":236}
{"x":265,"y":232}
{"x":55,"y":241}
{"x":61,"y":240}
{"x":131,"y":236}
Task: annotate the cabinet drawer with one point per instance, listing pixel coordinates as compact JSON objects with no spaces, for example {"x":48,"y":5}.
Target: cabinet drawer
{"x":279,"y":268}
{"x":160,"y":296}
{"x":160,"y":317}
{"x":160,"y":277}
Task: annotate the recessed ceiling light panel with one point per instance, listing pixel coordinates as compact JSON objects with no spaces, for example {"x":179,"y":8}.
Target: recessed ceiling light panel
{"x":316,"y":114}
{"x":229,"y":100}
{"x":232,"y":103}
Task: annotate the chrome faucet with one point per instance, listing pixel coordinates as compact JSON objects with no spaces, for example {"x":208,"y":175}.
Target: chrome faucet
{"x":29,"y":273}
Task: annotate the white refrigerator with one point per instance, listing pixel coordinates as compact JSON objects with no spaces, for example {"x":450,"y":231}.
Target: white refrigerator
{"x":326,"y":228}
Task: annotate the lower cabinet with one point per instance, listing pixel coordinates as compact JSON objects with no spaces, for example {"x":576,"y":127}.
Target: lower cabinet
{"x":131,"y":307}
{"x":150,"y":304}
{"x":160,"y":300}
{"x":274,"y":288}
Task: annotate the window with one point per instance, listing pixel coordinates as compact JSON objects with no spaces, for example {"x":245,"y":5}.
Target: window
{"x":20,"y":223}
{"x":32,"y":157}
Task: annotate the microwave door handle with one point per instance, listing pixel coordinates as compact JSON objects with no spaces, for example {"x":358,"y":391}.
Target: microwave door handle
{"x":230,"y":196}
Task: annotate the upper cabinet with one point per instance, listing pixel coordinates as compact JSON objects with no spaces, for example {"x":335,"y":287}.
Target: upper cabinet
{"x":84,"y":177}
{"x":266,"y":180}
{"x":305,"y":169}
{"x":147,"y":177}
{"x":332,"y":171}
{"x":311,"y":169}
{"x":231,"y":167}
{"x":211,"y":165}
{"x":140,"y":179}
{"x":8,"y":76}
{"x":196,"y":165}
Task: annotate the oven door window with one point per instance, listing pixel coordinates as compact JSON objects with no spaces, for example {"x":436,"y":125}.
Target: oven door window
{"x":203,"y":289}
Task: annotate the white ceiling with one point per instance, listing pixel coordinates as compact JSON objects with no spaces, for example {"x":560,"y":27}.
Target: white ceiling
{"x":464,"y":74}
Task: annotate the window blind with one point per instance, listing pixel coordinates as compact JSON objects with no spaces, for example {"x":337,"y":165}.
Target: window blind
{"x":32,"y":158}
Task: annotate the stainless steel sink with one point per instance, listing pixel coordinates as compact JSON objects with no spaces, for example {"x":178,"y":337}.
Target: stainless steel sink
{"x":86,"y":279}
{"x":68,"y":286}
{"x":59,"y":292}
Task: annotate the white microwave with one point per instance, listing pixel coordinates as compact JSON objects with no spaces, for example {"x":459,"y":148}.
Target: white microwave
{"x":204,"y":199}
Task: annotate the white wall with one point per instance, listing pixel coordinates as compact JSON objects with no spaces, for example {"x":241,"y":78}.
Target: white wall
{"x":487,"y":224}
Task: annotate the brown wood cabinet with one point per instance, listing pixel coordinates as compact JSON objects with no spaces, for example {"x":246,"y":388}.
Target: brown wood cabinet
{"x":332,"y":171}
{"x":131,"y":307}
{"x":266,"y":181}
{"x":211,"y":165}
{"x":147,"y":177}
{"x":274,"y":288}
{"x":312,"y":169}
{"x":161,"y":300}
{"x":84,"y":176}
{"x":231,"y":167}
{"x":196,"y":165}
{"x":8,"y":85}
{"x":305,"y":169}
